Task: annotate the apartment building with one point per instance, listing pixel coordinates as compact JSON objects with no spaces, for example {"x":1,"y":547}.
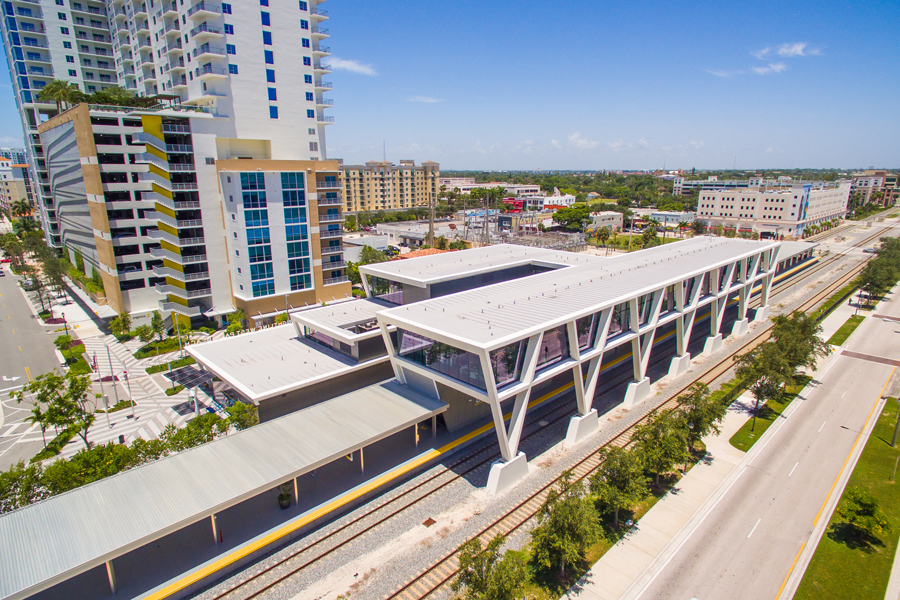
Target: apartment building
{"x":382,"y":185}
{"x":18,"y":156}
{"x":15,"y":184}
{"x":776,"y":212}
{"x":867,"y":183}
{"x":46,"y":40}
{"x":170,"y":220}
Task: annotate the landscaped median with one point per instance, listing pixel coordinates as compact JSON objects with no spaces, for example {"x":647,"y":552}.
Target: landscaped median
{"x":840,"y":336}
{"x":749,"y":434}
{"x":851,"y":562}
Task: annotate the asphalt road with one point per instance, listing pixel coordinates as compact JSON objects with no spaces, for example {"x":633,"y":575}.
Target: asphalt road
{"x":26,"y":351}
{"x":748,"y":542}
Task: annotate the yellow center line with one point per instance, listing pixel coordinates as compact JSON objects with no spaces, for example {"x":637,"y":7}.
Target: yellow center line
{"x":260,"y":543}
{"x":28,"y":372}
{"x":20,"y":348}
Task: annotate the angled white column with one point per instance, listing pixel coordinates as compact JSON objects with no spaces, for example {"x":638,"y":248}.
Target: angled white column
{"x":641,"y":347}
{"x":587,"y":420}
{"x":684,"y":325}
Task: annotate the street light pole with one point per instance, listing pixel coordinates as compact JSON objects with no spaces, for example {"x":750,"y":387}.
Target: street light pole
{"x":112,"y":374}
{"x":178,"y":333}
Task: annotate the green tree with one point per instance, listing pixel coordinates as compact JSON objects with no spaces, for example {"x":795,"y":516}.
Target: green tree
{"x":702,"y":411}
{"x":877,"y":278}
{"x":767,"y":368}
{"x":486,"y":574}
{"x":121,"y":325}
{"x":603,"y":235}
{"x":66,"y":398}
{"x":649,"y":237}
{"x":21,"y":208}
{"x":798,"y":336}
{"x":144,"y":333}
{"x":567,"y":525}
{"x":662,"y":443}
{"x":859,"y":508}
{"x":573,"y":218}
{"x":352,"y":272}
{"x":619,"y":481}
{"x":61,"y":92}
{"x":242,"y":416}
{"x":54,"y":270}
{"x":63,"y":342}
{"x":96,"y":277}
{"x":21,"y":485}
{"x":235,"y":321}
{"x":158,"y":324}
{"x":369,"y":255}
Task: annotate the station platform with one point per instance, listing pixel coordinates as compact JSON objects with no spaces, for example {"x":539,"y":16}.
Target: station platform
{"x":56,"y":539}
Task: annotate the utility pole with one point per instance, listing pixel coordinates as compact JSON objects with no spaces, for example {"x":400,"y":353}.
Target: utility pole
{"x":431,"y":221}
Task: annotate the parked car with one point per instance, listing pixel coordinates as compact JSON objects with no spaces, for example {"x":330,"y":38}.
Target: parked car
{"x":870,"y":250}
{"x":2,"y":272}
{"x":5,"y":260}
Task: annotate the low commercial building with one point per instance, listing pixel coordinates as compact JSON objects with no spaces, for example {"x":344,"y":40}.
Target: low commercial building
{"x":607,"y":218}
{"x":774,"y":212}
{"x":465,"y":185}
{"x":867,"y":183}
{"x":382,"y":185}
{"x":671,"y":218}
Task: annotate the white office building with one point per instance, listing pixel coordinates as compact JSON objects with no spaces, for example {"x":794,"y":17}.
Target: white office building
{"x":774,"y":212}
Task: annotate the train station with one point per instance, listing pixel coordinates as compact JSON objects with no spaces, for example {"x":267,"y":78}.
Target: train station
{"x":358,"y":395}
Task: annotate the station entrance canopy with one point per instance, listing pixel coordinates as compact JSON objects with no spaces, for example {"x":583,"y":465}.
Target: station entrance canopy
{"x":55,"y":539}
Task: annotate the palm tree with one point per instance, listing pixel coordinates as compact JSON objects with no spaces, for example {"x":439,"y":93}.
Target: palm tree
{"x":61,"y":92}
{"x":21,"y":208}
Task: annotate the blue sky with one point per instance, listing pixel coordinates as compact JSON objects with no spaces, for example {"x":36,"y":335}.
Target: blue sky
{"x":591,"y":85}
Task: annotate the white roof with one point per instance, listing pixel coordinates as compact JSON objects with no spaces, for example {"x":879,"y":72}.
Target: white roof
{"x":55,"y":539}
{"x":789,"y":249}
{"x":432,"y":269}
{"x":335,"y":319}
{"x":496,"y":315}
{"x":266,"y":363}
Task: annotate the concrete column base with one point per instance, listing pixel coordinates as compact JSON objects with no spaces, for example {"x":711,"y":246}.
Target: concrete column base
{"x":712,"y":344}
{"x":636,"y":392}
{"x":762,"y":313}
{"x":504,"y":475}
{"x":740,"y":327}
{"x":581,"y":426}
{"x":680,"y":365}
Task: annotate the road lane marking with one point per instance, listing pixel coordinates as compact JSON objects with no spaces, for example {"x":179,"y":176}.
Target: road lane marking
{"x":20,"y":348}
{"x":28,"y":372}
{"x":820,"y":427}
{"x":844,"y":394}
{"x":791,"y":570}
{"x":754,"y":528}
{"x":792,"y":470}
{"x":859,"y":435}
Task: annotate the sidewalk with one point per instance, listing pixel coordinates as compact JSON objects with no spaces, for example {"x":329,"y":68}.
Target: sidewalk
{"x":612,"y":576}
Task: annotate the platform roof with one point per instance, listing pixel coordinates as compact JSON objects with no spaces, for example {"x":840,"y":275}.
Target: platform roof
{"x":427,"y":270}
{"x":499,"y":314}
{"x":273,"y":361}
{"x":335,"y":319}
{"x":58,"y":538}
{"x":789,"y":249}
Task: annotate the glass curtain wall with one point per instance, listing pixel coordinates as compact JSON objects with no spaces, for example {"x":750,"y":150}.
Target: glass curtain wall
{"x":443,"y":358}
{"x":387,"y":290}
{"x":507,"y":363}
{"x":554,"y":347}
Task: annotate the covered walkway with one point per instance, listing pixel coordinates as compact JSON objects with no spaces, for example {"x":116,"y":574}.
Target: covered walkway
{"x":56,"y":539}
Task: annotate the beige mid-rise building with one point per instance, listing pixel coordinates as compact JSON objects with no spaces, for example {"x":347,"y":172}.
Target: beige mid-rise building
{"x":382,"y":185}
{"x":15,"y":184}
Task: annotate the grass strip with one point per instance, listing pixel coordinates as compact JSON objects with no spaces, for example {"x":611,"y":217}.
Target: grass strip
{"x":56,"y":445}
{"x":181,"y":362}
{"x":745,"y":438}
{"x":154,"y":348}
{"x":846,"y":565}
{"x":833,"y":300}
{"x":173,"y":391}
{"x":840,"y":336}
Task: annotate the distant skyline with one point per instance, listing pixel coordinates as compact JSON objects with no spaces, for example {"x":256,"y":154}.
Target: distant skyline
{"x":581,"y":85}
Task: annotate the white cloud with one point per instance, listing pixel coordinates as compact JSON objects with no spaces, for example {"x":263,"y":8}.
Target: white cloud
{"x":11,"y":141}
{"x":772,"y":68}
{"x":723,"y":73}
{"x":794,"y":49}
{"x":582,"y":143}
{"x":770,"y":150}
{"x":616,"y":144}
{"x":354,"y":66}
{"x":482,"y":150}
{"x":425,"y":99}
{"x":696,"y":145}
{"x":643,"y":143}
{"x":761,"y":54}
{"x":555,"y":144}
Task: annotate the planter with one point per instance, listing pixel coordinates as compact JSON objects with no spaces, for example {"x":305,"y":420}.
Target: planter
{"x":284,"y":501}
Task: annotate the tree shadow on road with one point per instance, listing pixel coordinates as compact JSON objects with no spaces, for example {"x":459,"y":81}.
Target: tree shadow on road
{"x":854,"y":538}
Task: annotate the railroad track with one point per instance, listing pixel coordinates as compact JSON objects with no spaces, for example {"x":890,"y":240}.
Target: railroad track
{"x":302,"y":558}
{"x":433,"y":578}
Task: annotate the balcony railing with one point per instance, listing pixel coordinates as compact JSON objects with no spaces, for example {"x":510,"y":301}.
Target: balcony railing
{"x":184,"y":186}
{"x":175,"y":128}
{"x":326,"y":218}
{"x":179,"y":148}
{"x":206,"y":28}
{"x":331,"y":233}
{"x":204,"y":7}
{"x":330,"y":201}
{"x":188,"y":311}
{"x":182,"y":167}
{"x":208,"y":70}
{"x":333,"y":249}
{"x":322,"y":49}
{"x":334,"y":280}
{"x":335,"y":264}
{"x":324,"y":119}
{"x":328,"y":184}
{"x":207,"y":49}
{"x":318,"y":30}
